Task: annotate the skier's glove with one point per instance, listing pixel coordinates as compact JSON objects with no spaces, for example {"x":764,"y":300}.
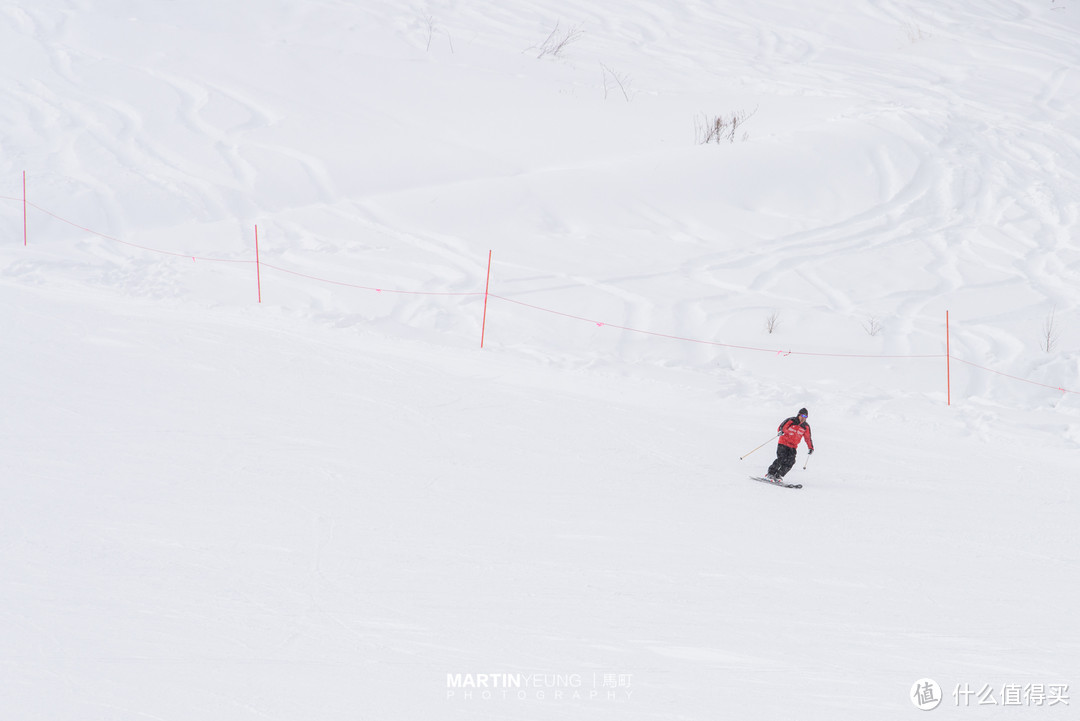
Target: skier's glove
{"x":811,"y":451}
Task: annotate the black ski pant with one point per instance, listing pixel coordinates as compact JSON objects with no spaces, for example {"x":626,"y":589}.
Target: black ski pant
{"x":785,"y":459}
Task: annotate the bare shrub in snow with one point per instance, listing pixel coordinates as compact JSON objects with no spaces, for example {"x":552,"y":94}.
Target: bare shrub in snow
{"x":915,"y":33}
{"x":718,"y":128}
{"x":558,"y":40}
{"x":429,"y":24}
{"x":1049,"y":337}
{"x":772,"y":322}
{"x":621,"y":80}
{"x":872,"y":325}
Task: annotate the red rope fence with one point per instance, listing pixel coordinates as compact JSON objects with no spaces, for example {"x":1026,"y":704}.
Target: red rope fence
{"x":685,"y":339}
{"x":487,"y":295}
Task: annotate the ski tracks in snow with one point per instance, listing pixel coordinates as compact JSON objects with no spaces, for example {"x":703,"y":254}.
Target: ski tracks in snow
{"x":971,"y":220}
{"x":887,"y":141}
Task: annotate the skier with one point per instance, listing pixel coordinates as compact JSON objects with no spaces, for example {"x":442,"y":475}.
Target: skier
{"x":791,"y":431}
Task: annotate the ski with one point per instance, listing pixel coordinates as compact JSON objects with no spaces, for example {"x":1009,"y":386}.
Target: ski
{"x":777,"y":483}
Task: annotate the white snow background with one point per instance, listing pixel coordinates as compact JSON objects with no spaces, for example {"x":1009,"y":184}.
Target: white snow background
{"x":334,"y":505}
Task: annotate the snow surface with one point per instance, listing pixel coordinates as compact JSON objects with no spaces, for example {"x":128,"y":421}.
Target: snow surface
{"x":334,"y":505}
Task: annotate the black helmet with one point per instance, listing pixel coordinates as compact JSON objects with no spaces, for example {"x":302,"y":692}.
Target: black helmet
{"x":804,"y":412}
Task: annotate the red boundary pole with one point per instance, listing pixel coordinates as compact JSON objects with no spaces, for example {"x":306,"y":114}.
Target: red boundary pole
{"x":948,"y":364}
{"x":24,"y":207}
{"x":258,"y":271}
{"x":487,"y":286}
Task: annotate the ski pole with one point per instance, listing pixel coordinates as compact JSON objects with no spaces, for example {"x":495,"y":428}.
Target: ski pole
{"x":761,"y":446}
{"x":807,"y":461}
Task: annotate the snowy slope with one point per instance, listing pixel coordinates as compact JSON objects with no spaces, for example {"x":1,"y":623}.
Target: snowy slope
{"x":332,"y":504}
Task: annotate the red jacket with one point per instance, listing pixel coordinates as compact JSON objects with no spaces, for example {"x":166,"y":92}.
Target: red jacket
{"x":791,"y":432}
